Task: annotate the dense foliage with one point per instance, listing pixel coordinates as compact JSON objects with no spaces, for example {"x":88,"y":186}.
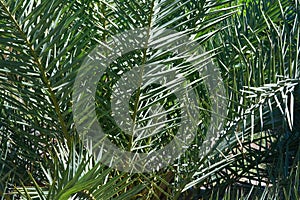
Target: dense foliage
{"x":255,"y":46}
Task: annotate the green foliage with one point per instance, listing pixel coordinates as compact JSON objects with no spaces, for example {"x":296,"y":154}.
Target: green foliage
{"x":255,"y":44}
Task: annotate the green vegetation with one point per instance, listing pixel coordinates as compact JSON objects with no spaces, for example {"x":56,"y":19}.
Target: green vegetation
{"x":254,"y":44}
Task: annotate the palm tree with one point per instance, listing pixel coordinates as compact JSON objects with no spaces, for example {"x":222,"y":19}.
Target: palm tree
{"x":251,"y":106}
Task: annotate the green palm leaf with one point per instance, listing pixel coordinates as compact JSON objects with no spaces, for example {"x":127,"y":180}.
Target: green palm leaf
{"x":44,"y":47}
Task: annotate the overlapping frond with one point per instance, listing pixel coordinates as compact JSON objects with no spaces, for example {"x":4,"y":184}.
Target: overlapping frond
{"x":254,"y":45}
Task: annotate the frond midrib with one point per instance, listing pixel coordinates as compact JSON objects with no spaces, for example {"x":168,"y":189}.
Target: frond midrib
{"x":38,"y":63}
